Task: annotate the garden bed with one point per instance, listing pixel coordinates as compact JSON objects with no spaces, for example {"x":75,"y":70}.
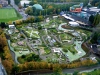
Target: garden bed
{"x":28,"y":58}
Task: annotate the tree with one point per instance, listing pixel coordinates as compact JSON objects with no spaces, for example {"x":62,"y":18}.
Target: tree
{"x":25,"y":5}
{"x":30,"y":19}
{"x":9,"y":22}
{"x":94,"y":2}
{"x":8,"y":66}
{"x":29,"y":11}
{"x":39,"y":27}
{"x":31,"y":3}
{"x":40,"y":18}
{"x":57,"y":69}
{"x":8,"y":1}
{"x":96,"y":19}
{"x":18,"y":22}
{"x":1,"y":31}
{"x":35,"y":2}
{"x":19,"y":6}
{"x":91,"y":19}
{"x":17,"y":1}
{"x":15,"y":69}
{"x":75,"y":73}
{"x":2,"y":41}
{"x":3,"y":25}
{"x":65,"y":49}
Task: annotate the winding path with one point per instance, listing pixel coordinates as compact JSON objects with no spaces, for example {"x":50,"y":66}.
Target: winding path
{"x":12,"y":52}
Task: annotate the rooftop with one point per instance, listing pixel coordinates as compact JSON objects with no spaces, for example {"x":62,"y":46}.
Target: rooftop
{"x":24,"y":1}
{"x":38,"y":6}
{"x":73,"y":23}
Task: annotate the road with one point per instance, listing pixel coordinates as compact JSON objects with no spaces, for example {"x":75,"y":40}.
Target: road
{"x":2,"y":70}
{"x":16,"y":7}
{"x":65,"y":71}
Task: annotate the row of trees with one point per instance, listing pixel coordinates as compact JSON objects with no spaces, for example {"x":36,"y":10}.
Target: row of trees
{"x":48,"y":9}
{"x":95,"y":3}
{"x":44,"y":65}
{"x":5,"y":53}
{"x":17,"y":1}
{"x":30,"y":19}
{"x":39,"y":1}
{"x":60,"y":1}
{"x":94,"y":19}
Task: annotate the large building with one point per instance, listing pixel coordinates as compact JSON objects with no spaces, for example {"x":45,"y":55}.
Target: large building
{"x":3,"y":3}
{"x":76,"y":8}
{"x":22,"y":2}
{"x":38,"y":6}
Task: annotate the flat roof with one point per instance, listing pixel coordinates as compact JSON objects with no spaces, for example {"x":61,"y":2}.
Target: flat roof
{"x":95,"y":9}
{"x":24,"y":1}
{"x":67,"y":17}
{"x":73,"y":23}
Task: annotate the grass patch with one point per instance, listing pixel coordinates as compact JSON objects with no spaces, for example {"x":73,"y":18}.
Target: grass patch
{"x":86,"y":32}
{"x":65,"y":36}
{"x":28,"y":58}
{"x":19,"y":48}
{"x":53,"y":30}
{"x":9,"y":15}
{"x":47,"y":50}
{"x":70,"y":48}
{"x":31,"y":34}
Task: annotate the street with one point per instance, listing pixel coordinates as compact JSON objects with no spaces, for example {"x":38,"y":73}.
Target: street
{"x":2,"y":70}
{"x":16,"y":7}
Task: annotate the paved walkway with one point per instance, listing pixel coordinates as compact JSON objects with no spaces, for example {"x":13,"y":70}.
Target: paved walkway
{"x":12,"y":52}
{"x":29,"y":45}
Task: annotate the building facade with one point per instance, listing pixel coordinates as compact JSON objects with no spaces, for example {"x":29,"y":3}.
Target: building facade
{"x":76,"y":8}
{"x":3,"y":3}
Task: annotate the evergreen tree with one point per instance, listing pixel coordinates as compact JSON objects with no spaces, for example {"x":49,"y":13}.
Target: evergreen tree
{"x":25,"y":5}
{"x":91,"y":19}
{"x":8,"y":1}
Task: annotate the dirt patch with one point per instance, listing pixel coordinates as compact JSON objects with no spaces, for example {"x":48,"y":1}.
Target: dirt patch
{"x":66,"y":27}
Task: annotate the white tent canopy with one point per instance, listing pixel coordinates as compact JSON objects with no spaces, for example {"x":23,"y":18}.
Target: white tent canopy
{"x":67,"y":17}
{"x":74,"y":24}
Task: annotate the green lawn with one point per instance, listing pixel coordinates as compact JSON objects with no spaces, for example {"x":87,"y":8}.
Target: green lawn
{"x":70,"y":48}
{"x":28,"y":57}
{"x":65,"y":36}
{"x":32,"y":34}
{"x":86,"y":32}
{"x":9,"y":15}
{"x":47,"y":51}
